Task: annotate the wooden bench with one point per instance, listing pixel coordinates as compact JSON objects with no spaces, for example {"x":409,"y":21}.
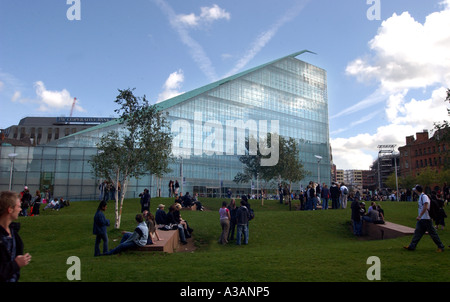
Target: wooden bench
{"x":191,"y":208}
{"x":169,"y":243}
{"x":387,"y":230}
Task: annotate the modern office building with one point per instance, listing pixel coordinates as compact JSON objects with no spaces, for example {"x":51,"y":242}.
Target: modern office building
{"x":42,"y":130}
{"x":287,"y":96}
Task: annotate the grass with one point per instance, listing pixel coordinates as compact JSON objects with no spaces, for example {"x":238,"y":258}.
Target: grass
{"x":284,"y":246}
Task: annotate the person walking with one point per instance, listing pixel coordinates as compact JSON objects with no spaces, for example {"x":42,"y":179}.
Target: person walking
{"x":344,"y":195}
{"x":100,"y":224}
{"x":225,"y":218}
{"x":424,"y":223}
{"x":12,"y":258}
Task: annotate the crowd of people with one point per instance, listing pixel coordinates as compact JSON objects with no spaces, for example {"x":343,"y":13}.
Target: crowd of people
{"x":107,"y":190}
{"x":31,"y":204}
{"x":235,"y":219}
{"x":317,"y":196}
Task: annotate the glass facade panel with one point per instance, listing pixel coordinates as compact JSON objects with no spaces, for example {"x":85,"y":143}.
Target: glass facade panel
{"x":288,"y":91}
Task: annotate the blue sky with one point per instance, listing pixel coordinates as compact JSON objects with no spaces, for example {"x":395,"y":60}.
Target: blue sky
{"x":386,"y":78}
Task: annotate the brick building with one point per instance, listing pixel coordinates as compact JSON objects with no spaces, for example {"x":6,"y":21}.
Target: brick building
{"x":421,"y":152}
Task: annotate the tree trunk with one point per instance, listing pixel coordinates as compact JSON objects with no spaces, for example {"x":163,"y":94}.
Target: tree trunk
{"x":124,"y":190}
{"x":116,"y":195}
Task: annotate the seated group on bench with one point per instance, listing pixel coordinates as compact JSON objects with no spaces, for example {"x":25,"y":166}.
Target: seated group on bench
{"x":173,"y":221}
{"x":374,"y":215}
{"x":132,"y":240}
{"x":187,"y":201}
{"x":142,"y":235}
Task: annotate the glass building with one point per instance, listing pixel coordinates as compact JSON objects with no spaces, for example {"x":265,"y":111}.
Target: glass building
{"x":287,"y":96}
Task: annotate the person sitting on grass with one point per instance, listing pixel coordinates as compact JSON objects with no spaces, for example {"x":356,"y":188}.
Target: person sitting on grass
{"x":197,"y":202}
{"x":51,"y":204}
{"x":132,"y":240}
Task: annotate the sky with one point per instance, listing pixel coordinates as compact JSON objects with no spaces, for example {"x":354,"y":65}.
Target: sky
{"x":387,"y":61}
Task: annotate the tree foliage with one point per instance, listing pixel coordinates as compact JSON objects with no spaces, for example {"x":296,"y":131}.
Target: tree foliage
{"x":140,"y":147}
{"x":289,"y":168}
{"x":443,"y":136}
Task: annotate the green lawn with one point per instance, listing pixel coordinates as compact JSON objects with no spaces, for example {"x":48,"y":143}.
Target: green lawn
{"x":287,"y":246}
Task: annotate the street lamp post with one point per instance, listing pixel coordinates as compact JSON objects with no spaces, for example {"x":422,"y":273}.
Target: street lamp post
{"x":319,"y":158}
{"x":11,"y":157}
{"x":181,"y":172}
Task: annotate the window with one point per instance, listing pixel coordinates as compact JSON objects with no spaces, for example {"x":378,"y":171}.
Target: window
{"x":49,"y":134}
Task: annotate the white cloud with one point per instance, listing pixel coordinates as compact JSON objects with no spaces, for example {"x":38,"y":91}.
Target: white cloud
{"x":172,"y":86}
{"x":406,"y":118}
{"x":189,"y":20}
{"x":408,"y":54}
{"x":207,"y":16}
{"x":266,"y":36}
{"x":197,"y":52}
{"x":16,"y":96}
{"x":405,"y":56}
{"x":214,"y":13}
{"x":54,"y":100}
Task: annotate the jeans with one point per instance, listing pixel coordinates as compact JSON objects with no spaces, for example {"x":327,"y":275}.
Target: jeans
{"x":181,"y":232}
{"x":343,"y":201}
{"x":124,"y":245}
{"x":357,"y":227}
{"x":241,"y":229}
{"x":324,"y":203}
{"x":99,"y":238}
{"x":335,"y":203}
{"x":232,"y":228}
{"x":366,"y":218}
{"x":422,"y":226}
{"x":309,"y":204}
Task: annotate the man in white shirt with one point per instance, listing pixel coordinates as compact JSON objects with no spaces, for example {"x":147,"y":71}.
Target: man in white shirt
{"x":424,"y":223}
{"x":343,"y":196}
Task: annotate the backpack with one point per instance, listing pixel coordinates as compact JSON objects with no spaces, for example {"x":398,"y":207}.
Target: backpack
{"x":433,"y":211}
{"x":252,"y":214}
{"x":345,"y":191}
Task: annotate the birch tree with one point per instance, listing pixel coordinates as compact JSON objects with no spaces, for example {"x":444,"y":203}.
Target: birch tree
{"x":142,"y":146}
